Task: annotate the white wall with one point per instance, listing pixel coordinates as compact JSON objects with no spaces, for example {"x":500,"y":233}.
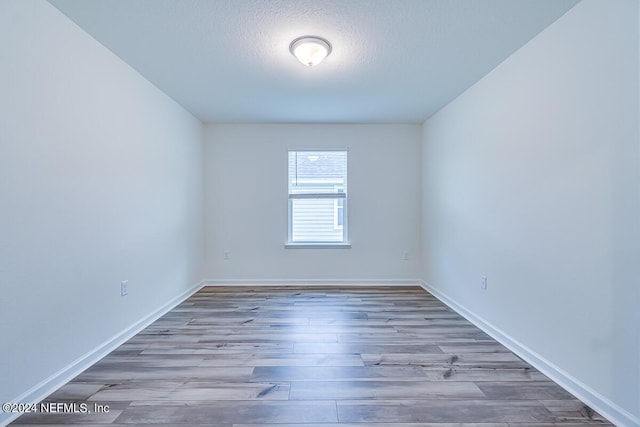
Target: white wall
{"x":531,"y":177}
{"x":246,"y":202}
{"x":100,"y":181}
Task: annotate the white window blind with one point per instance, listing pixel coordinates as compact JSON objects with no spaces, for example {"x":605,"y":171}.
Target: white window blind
{"x":317,"y":197}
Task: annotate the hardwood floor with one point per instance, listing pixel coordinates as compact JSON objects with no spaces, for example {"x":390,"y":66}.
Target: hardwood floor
{"x":315,"y":356}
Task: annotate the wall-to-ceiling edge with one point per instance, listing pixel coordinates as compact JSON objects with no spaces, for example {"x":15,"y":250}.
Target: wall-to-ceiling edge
{"x":531,"y":178}
{"x":613,"y":157}
{"x":101,"y":179}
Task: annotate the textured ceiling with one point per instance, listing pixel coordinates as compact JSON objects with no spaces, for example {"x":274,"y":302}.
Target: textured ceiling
{"x":393,"y":61}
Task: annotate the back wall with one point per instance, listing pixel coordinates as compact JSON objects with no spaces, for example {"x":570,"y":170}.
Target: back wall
{"x":246,"y":202}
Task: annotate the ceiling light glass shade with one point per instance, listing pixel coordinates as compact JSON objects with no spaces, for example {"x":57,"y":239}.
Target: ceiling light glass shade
{"x":310,"y":50}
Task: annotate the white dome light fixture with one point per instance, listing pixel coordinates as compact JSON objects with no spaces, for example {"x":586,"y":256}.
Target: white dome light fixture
{"x":310,"y":50}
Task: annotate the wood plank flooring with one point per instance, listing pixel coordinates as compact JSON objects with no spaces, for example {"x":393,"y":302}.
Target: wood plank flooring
{"x":317,"y":357}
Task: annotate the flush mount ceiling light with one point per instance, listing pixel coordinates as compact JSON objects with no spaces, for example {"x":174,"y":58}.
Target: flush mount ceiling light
{"x":310,"y":50}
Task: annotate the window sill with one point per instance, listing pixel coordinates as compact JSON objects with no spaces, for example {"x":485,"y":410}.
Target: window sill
{"x":292,"y":245}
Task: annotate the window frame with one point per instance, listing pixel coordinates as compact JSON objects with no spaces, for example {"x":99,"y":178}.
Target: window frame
{"x":336,"y":214}
{"x":343,"y":195}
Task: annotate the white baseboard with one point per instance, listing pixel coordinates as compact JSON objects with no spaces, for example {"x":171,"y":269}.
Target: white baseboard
{"x":312,"y":282}
{"x":64,"y":375}
{"x":602,"y":405}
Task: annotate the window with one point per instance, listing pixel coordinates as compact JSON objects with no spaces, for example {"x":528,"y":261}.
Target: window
{"x":318,"y":199}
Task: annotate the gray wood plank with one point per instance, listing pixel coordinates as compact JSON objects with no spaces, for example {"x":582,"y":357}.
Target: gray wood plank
{"x":444,"y":411}
{"x":192,"y":391}
{"x":343,"y":390}
{"x":252,"y":412}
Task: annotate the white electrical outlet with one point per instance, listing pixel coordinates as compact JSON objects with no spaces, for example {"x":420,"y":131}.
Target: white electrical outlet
{"x":483,"y":283}
{"x":225,"y":255}
{"x":124,"y":288}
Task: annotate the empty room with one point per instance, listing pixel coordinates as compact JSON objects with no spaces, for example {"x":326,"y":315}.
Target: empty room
{"x":332,"y":213}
